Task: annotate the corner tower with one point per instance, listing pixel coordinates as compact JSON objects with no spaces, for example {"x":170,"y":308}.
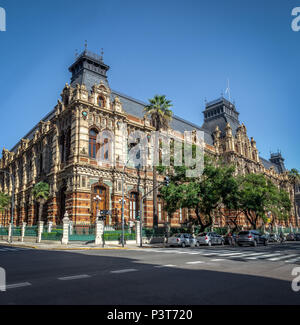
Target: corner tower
{"x":220,"y":112}
{"x":88,"y":69}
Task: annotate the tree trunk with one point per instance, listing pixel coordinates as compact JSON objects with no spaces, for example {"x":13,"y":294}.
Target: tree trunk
{"x":155,"y":217}
{"x":41,"y":209}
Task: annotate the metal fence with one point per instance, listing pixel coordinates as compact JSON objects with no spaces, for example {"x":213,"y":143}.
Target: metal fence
{"x":82,"y":233}
{"x":3,"y":231}
{"x":31,"y":231}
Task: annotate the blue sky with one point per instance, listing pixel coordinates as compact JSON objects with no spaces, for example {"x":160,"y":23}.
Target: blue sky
{"x":184,"y":49}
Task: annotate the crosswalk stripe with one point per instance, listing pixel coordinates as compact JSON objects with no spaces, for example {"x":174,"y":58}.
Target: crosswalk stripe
{"x":195,"y":262}
{"x":293,"y":260}
{"x":281,"y":257}
{"x":230,"y":254}
{"x":262,"y":256}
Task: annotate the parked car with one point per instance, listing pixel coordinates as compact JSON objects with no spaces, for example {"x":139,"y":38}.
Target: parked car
{"x":209,"y":238}
{"x":274,"y":238}
{"x":182,"y":240}
{"x":251,"y":237}
{"x":290,"y":236}
{"x":297,"y":236}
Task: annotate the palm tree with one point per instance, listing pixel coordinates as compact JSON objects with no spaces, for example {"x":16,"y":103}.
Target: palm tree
{"x":294,"y":178}
{"x":161,"y":116}
{"x":41,"y":195}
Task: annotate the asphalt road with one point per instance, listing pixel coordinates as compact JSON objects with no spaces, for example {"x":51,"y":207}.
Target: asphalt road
{"x":168,"y":276}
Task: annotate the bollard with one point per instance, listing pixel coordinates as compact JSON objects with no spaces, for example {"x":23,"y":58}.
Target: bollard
{"x":99,"y":231}
{"x":66,"y":221}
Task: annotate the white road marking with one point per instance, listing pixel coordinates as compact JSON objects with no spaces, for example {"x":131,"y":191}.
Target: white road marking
{"x":262,"y":256}
{"x":217,"y":260}
{"x":230,"y":254}
{"x":18,"y":285}
{"x":161,"y":266}
{"x":195,"y":262}
{"x":74,"y":277}
{"x":293,"y":260}
{"x":281,"y":257}
{"x":124,"y":271}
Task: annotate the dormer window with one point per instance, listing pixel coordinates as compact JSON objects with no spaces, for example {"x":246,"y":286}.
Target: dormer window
{"x":101,"y":101}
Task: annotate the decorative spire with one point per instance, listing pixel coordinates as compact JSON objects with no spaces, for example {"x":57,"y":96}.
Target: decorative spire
{"x":102,"y":54}
{"x":85,"y":45}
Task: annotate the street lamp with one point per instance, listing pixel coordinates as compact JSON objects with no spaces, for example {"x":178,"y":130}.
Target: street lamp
{"x":97,"y":199}
{"x":165,"y":183}
{"x":12,"y":201}
{"x":122,"y":201}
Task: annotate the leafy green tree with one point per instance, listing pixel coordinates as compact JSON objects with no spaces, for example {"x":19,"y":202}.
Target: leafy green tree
{"x":258,"y":195}
{"x":206,"y":194}
{"x":41,"y":192}
{"x":4,"y":201}
{"x":294,"y":178}
{"x":160,"y":114}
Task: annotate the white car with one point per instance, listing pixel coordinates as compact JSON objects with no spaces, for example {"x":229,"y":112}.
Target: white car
{"x":209,"y":238}
{"x":181,"y":240}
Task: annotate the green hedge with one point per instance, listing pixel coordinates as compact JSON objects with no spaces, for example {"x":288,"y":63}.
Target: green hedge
{"x":52,"y":235}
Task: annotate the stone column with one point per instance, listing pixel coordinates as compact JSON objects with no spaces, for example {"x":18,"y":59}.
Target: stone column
{"x":99,"y":231}
{"x":23,"y":231}
{"x":50,"y":223}
{"x":40,"y":231}
{"x":138,"y":232}
{"x":66,"y":221}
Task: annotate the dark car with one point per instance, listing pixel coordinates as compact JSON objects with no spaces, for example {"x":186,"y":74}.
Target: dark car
{"x":252,"y":238}
{"x":290,"y":236}
{"x":297,"y":236}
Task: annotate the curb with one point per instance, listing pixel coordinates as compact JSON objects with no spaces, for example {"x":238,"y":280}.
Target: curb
{"x":71,"y":248}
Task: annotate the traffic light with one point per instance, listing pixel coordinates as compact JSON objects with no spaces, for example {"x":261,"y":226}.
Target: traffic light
{"x":167,"y":181}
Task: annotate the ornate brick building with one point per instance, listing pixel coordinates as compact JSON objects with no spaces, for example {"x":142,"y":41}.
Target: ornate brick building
{"x":61,"y":150}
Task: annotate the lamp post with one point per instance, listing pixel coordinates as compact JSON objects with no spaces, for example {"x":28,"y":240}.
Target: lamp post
{"x":122,"y":201}
{"x":97,"y":199}
{"x":12,"y":201}
{"x":166,"y":183}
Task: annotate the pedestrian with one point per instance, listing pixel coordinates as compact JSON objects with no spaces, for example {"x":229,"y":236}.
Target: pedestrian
{"x":281,"y":237}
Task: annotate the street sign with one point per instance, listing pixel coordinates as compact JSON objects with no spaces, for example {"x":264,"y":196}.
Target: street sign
{"x":105,"y":212}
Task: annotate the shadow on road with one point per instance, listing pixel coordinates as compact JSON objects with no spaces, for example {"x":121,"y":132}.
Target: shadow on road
{"x":145,"y":285}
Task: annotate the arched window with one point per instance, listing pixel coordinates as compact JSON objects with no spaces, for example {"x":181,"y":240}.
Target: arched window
{"x":93,"y":147}
{"x":101,"y":101}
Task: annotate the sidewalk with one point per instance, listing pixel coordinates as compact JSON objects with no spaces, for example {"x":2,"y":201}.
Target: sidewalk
{"x":76,"y":246}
